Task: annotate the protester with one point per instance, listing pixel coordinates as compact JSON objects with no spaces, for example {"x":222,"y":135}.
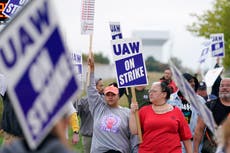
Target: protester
{"x":55,"y":142}
{"x":177,"y":99}
{"x":86,"y":127}
{"x":142,"y":96}
{"x":168,"y":79}
{"x":202,"y":91}
{"x":163,"y":126}
{"x":134,"y":141}
{"x":111,"y":131}
{"x":220,"y":109}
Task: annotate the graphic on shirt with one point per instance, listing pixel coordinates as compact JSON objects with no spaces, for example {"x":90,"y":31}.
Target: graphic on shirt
{"x":186,"y":109}
{"x":110,"y":123}
{"x":145,"y":97}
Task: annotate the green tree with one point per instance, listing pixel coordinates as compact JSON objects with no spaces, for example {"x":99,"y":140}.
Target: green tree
{"x":98,"y":57}
{"x":153,"y":65}
{"x":215,"y":21}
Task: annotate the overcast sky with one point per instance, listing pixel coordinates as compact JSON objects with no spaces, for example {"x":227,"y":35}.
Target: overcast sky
{"x":171,"y":15}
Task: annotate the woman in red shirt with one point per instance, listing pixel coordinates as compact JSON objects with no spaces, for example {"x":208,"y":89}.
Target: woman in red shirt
{"x":163,"y":126}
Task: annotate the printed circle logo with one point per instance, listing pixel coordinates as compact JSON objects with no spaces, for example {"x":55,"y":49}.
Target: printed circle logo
{"x":110,"y":123}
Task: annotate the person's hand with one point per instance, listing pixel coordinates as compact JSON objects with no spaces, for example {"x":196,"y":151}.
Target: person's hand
{"x":91,"y":61}
{"x":134,"y":107}
{"x":75,"y":138}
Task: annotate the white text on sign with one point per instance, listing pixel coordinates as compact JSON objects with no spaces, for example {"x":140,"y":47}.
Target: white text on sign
{"x":25,"y":38}
{"x":132,"y":72}
{"x":46,"y":101}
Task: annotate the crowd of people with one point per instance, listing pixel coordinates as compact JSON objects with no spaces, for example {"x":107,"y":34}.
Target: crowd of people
{"x":168,"y":121}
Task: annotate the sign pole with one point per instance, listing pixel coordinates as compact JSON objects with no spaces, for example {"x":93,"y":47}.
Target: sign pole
{"x":134,"y":100}
{"x":90,"y":56}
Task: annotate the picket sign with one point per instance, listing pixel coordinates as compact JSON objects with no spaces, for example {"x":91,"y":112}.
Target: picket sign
{"x":35,"y":60}
{"x":217,"y":45}
{"x":204,"y":52}
{"x":129,"y":62}
{"x":87,"y":26}
{"x":211,"y":76}
{"x":190,"y":95}
{"x":115,"y":29}
{"x":13,"y":6}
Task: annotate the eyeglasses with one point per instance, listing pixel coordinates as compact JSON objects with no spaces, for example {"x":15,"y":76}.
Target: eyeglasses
{"x":153,"y":91}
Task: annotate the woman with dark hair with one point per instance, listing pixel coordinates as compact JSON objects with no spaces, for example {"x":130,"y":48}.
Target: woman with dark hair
{"x":177,"y":99}
{"x":163,"y":126}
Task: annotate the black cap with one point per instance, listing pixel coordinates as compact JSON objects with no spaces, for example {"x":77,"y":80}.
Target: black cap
{"x":202,"y":86}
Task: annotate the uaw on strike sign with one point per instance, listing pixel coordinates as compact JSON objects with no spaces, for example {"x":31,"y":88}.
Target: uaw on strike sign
{"x":34,"y":59}
{"x":130,"y":66}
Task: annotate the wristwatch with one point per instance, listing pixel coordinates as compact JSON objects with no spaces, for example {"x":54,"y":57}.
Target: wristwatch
{"x":76,"y":132}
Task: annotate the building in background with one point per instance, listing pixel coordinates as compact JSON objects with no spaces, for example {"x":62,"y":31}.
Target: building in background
{"x":153,"y":43}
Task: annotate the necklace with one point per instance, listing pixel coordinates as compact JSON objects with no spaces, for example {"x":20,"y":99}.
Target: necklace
{"x":163,"y":110}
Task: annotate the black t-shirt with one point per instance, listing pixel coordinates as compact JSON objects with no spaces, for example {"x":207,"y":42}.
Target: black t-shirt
{"x":219,"y":111}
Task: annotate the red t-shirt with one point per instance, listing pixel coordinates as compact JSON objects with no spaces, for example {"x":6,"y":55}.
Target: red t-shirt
{"x":162,"y":133}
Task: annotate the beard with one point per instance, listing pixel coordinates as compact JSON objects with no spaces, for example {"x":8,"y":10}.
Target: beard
{"x":225,"y":96}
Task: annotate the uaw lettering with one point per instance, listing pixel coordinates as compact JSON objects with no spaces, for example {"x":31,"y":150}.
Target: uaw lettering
{"x":35,"y":58}
{"x":130,"y":66}
{"x":217,"y":45}
{"x":126,"y":48}
{"x":115,"y":29}
{"x":191,"y":97}
{"x":13,"y":6}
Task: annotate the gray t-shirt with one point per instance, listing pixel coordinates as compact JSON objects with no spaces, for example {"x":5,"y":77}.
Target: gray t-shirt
{"x":111,"y":125}
{"x":82,"y":107}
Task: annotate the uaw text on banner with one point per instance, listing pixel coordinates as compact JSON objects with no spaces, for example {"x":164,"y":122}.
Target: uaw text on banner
{"x":34,"y":58}
{"x":130,"y":66}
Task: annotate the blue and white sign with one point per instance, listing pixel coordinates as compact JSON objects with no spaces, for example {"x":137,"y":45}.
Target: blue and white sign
{"x":76,"y":58}
{"x":205,"y":51}
{"x":35,"y":59}
{"x":13,"y":6}
{"x":217,"y":45}
{"x":115,"y":29}
{"x":191,"y":97}
{"x":130,"y":66}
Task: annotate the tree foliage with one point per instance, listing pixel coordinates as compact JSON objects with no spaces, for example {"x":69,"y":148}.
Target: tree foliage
{"x":213,"y":21}
{"x":98,"y":57}
{"x":153,"y":65}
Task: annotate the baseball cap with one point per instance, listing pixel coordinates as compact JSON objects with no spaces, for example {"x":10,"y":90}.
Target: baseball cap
{"x":112,"y":89}
{"x":202,"y":85}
